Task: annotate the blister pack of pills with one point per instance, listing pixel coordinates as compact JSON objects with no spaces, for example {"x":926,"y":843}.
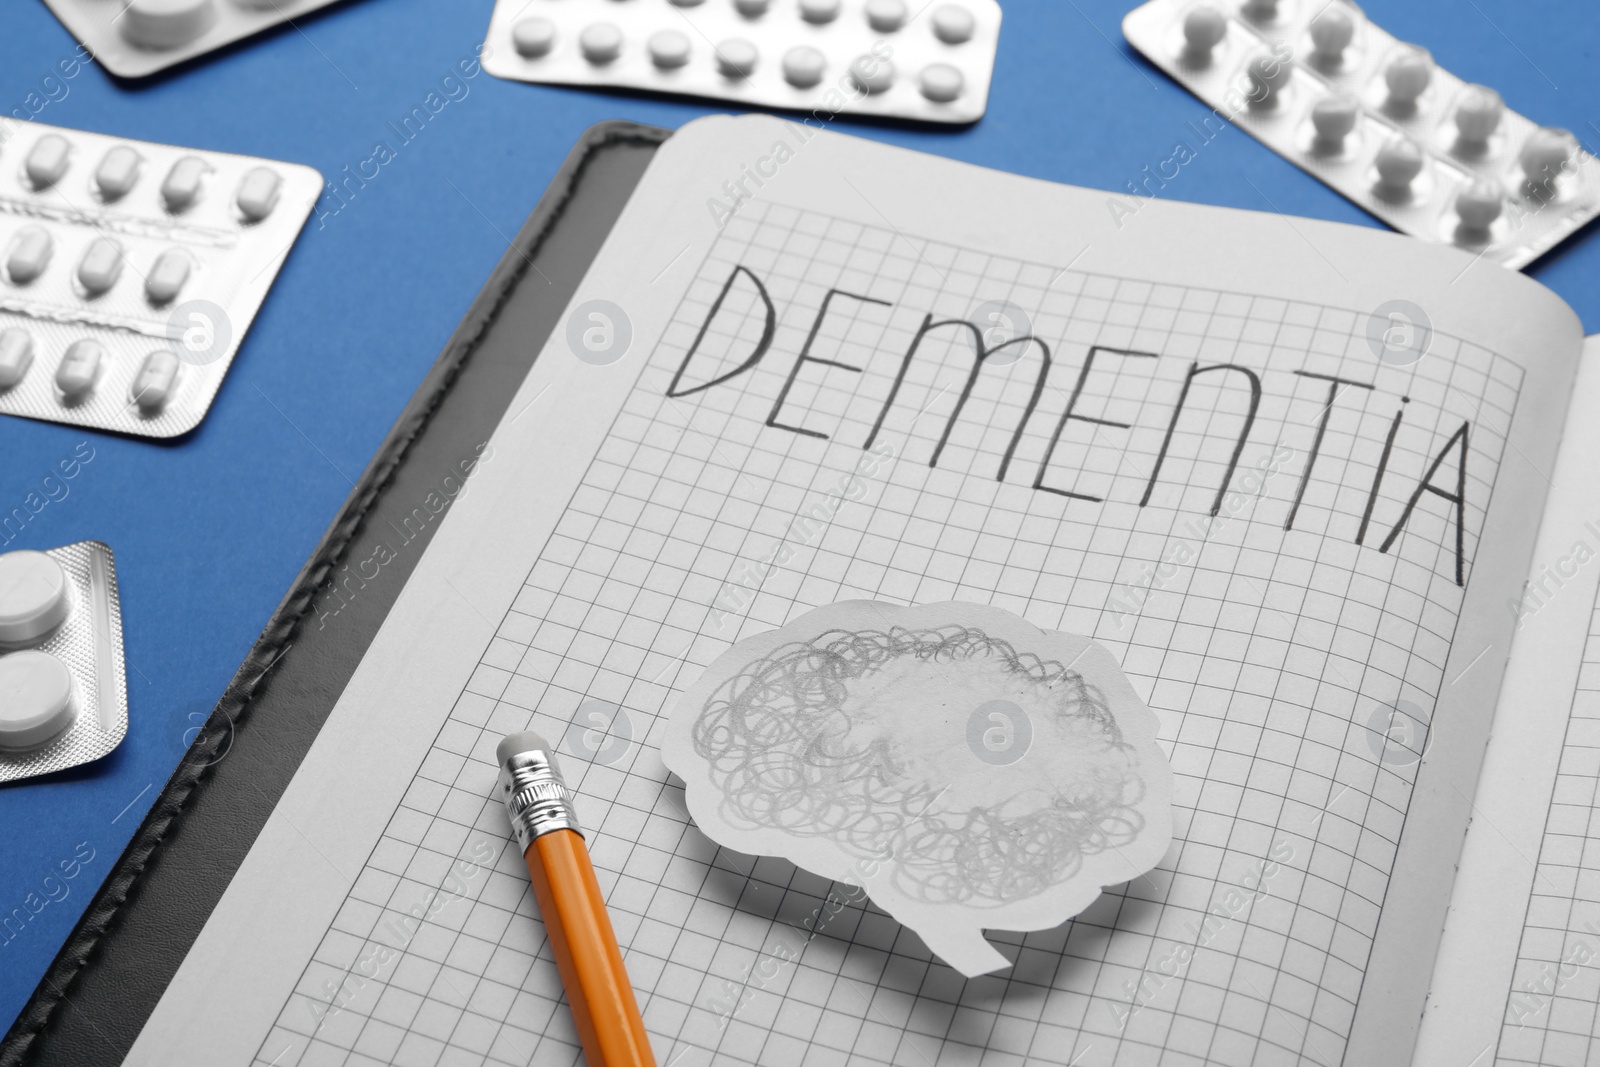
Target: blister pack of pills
{"x":130,"y":271}
{"x":132,"y":38}
{"x":63,"y":690}
{"x":926,"y":61}
{"x":1376,"y":119}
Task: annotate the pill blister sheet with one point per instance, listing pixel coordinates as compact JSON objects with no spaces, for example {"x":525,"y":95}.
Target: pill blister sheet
{"x":930,"y":62}
{"x":133,"y":38}
{"x":1428,"y":153}
{"x":130,"y":271}
{"x":89,"y":642}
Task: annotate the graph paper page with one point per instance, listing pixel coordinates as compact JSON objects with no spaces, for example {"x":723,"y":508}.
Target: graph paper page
{"x":1273,"y":581}
{"x":1516,"y":979}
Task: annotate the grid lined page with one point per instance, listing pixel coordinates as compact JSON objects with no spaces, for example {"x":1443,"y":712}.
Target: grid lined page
{"x":1265,"y":651}
{"x":1551,"y":1008}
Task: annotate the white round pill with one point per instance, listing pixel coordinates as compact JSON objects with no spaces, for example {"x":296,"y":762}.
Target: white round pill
{"x":1263,"y":10}
{"x":736,"y":58}
{"x":752,"y":9}
{"x":819,"y":11}
{"x":1334,"y":117}
{"x":886,"y":16}
{"x":166,"y":23}
{"x":600,"y":43}
{"x":1204,"y":28}
{"x":871,"y":74}
{"x":953,"y":24}
{"x":803,"y":66}
{"x":686,"y":3}
{"x":669,"y":49}
{"x":1399,"y":161}
{"x":941,"y":82}
{"x":35,"y":699}
{"x":1331,"y":32}
{"x":1478,"y":114}
{"x":1268,"y":75}
{"x":533,"y":37}
{"x":1546,"y":153}
{"x":1408,"y":75}
{"x":1479,"y":204}
{"x":33,"y":596}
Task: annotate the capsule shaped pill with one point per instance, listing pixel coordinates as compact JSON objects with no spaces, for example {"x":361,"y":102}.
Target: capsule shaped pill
{"x":16,"y":356}
{"x":941,"y":82}
{"x":533,"y":37}
{"x":258,"y":193}
{"x":154,"y":384}
{"x":100,"y":266}
{"x":736,"y":58}
{"x":1204,"y":27}
{"x":953,"y":24}
{"x":118,"y":170}
{"x":29,"y":255}
{"x":38,"y":704}
{"x":1408,"y":75}
{"x":167,"y":276}
{"x":181,"y":187}
{"x":166,"y":23}
{"x":80,"y":366}
{"x":33,"y":597}
{"x":803,"y":66}
{"x":600,"y":43}
{"x":47,"y":160}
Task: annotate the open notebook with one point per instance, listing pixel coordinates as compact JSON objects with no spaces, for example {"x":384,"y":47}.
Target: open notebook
{"x":1289,"y":472}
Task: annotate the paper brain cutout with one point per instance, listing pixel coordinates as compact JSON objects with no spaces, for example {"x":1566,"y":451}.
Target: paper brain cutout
{"x":966,"y":769}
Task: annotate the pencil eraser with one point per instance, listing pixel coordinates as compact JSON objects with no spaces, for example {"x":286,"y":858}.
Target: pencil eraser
{"x":512,"y":744}
{"x":33,"y":596}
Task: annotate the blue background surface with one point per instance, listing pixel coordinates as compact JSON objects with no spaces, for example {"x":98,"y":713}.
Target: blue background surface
{"x":210,"y":530}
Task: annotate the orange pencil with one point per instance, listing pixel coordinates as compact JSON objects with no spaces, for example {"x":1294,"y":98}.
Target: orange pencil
{"x":569,"y":899}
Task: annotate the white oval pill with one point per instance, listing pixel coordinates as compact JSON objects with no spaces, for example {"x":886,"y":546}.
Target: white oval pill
{"x":181,"y":187}
{"x":118,"y":170}
{"x":33,"y":596}
{"x":35,"y":699}
{"x":1204,"y":28}
{"x":80,"y":366}
{"x":533,"y":37}
{"x":1546,"y":153}
{"x":47,"y":160}
{"x":1331,"y":33}
{"x":16,"y":355}
{"x":1334,"y":117}
{"x":1408,"y":75}
{"x":871,"y":74}
{"x":752,"y":9}
{"x":819,"y":11}
{"x":669,"y":49}
{"x":258,"y":193}
{"x":166,"y":23}
{"x":1399,"y":162}
{"x":100,"y":266}
{"x":1478,"y":114}
{"x":737,"y":58}
{"x":803,"y":66}
{"x":941,"y":82}
{"x":953,"y":24}
{"x":29,"y":255}
{"x":886,"y":16}
{"x":1479,"y":204}
{"x":153,"y":385}
{"x":600,"y":43}
{"x":167,"y":276}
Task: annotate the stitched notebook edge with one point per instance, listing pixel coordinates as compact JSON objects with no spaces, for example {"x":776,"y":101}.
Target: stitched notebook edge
{"x":231,"y":713}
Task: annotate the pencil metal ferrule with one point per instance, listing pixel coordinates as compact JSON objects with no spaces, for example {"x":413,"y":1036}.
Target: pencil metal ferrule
{"x":536,"y":796}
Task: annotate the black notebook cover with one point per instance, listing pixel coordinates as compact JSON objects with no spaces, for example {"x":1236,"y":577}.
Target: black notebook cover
{"x":112,"y":970}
